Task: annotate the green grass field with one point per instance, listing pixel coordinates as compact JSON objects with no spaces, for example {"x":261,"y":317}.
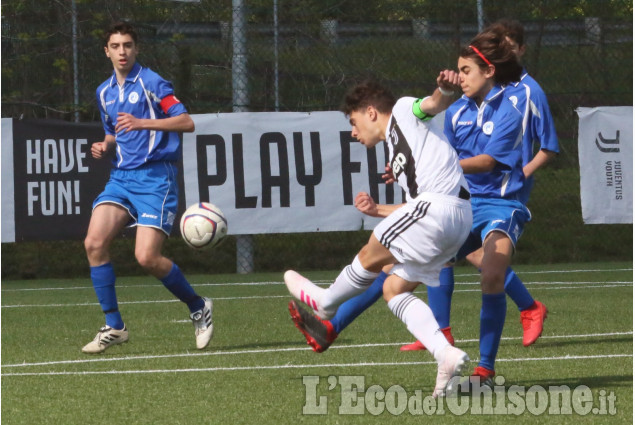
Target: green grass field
{"x":254,"y":370}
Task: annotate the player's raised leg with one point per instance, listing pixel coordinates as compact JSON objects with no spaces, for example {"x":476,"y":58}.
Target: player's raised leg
{"x":320,"y":333}
{"x":353,"y":280}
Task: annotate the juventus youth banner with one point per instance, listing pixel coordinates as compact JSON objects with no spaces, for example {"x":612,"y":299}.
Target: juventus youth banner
{"x":605,"y":145}
{"x":268,"y":172}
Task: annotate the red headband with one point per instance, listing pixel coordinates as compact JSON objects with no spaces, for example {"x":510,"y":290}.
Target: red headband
{"x":481,"y":55}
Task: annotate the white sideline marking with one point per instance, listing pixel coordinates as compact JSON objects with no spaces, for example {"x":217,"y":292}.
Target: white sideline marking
{"x":259,"y":297}
{"x":280,"y":282}
{"x":280,"y":350}
{"x":303,"y":366}
{"x":321,"y":282}
{"x":263,"y":297}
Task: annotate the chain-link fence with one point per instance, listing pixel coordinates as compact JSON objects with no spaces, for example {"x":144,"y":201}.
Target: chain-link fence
{"x":277,"y":55}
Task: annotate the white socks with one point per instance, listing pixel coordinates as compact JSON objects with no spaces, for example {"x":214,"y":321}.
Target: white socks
{"x":420,"y":322}
{"x":353,"y":280}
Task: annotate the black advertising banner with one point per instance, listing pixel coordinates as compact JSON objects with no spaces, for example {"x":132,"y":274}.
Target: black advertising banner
{"x":55,"y":178}
{"x":268,"y":172}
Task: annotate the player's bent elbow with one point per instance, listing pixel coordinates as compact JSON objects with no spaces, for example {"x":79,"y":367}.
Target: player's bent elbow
{"x":189,"y":127}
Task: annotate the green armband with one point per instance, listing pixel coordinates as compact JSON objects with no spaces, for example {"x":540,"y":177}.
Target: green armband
{"x":416,"y":110}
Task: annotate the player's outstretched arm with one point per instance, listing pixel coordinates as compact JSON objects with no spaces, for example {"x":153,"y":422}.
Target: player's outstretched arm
{"x":443,"y":96}
{"x":181,"y":123}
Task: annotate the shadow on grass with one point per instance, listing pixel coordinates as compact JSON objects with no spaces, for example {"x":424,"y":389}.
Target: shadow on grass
{"x":554,"y":343}
{"x":605,"y":381}
{"x":297,"y":343}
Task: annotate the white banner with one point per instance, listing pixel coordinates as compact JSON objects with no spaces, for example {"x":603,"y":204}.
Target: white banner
{"x":605,"y":145}
{"x":283,"y":172}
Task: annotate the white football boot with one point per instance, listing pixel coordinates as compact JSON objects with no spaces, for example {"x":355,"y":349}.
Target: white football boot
{"x":307,"y":292}
{"x":453,"y":364}
{"x":203,"y":325}
{"x":106,"y":337}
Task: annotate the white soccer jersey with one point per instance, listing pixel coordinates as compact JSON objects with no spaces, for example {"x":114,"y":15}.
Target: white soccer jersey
{"x":427,"y":231}
{"x":421,"y":158}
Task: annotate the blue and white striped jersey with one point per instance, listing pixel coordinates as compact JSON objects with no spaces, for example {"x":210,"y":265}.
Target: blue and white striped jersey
{"x":144,"y":94}
{"x":494,"y":129}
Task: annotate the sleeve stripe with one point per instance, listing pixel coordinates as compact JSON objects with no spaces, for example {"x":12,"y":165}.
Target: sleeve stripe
{"x":167,"y":102}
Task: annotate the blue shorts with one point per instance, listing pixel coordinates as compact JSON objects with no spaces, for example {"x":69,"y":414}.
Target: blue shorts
{"x":149,"y":193}
{"x":490,"y":215}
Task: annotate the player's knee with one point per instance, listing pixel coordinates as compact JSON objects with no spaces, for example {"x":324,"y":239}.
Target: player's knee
{"x":148,"y":261}
{"x":94,"y":246}
{"x":370,"y":261}
{"x":391,"y":290}
{"x":389,"y":293}
{"x":492,"y":280}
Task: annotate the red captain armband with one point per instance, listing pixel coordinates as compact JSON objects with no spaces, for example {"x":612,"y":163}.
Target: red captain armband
{"x":167,"y":102}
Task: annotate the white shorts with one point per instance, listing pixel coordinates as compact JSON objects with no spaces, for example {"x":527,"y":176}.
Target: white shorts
{"x":425,"y":234}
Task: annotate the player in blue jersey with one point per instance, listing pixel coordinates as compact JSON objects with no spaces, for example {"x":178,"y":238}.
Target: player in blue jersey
{"x":538,"y":128}
{"x":142,"y":120}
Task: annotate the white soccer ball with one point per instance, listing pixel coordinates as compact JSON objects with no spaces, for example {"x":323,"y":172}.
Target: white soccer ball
{"x":203,"y":225}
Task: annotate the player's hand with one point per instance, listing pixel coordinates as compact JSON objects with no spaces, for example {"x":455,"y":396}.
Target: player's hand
{"x":365,"y":203}
{"x":389,"y":177}
{"x":99,"y":149}
{"x":127,"y":122}
{"x":449,"y":80}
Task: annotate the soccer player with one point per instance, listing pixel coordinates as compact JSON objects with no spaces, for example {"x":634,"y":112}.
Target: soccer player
{"x":538,"y":127}
{"x":141,"y":119}
{"x":418,"y":237}
{"x":485,"y":128}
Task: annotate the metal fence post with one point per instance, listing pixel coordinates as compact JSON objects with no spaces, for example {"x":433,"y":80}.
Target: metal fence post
{"x":420,"y":28}
{"x":240,"y":96}
{"x":328,"y":30}
{"x":593,"y":31}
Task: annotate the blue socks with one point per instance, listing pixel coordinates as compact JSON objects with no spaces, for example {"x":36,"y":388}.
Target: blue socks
{"x":349,"y":310}
{"x":493,"y":311}
{"x":103,"y":278}
{"x":440,"y":297}
{"x":517,"y":291}
{"x":176,"y":283}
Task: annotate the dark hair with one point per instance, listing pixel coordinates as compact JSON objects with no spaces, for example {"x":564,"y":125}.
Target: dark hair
{"x":368,"y":93}
{"x":497,"y":50}
{"x":122,"y":28}
{"x":511,"y":28}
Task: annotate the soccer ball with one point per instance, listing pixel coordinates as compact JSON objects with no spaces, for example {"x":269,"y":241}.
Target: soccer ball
{"x":203,"y":225}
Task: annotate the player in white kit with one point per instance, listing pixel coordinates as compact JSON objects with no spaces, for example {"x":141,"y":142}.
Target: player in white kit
{"x":418,"y":237}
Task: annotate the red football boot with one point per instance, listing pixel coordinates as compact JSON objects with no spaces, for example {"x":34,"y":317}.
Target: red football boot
{"x":532,"y":320}
{"x":417,"y":345}
{"x":319,"y":334}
